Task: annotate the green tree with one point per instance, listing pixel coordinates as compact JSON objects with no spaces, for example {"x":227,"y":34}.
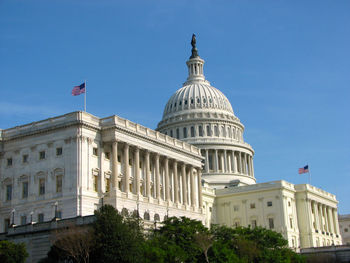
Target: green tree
{"x":117,"y":238}
{"x":12,"y":253}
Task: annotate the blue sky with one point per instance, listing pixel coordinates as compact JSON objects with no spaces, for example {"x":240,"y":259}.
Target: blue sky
{"x":284,"y":65}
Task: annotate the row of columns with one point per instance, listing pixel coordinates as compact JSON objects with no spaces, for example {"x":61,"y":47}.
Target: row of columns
{"x":325,"y":218}
{"x":231,"y":162}
{"x":187,"y":171}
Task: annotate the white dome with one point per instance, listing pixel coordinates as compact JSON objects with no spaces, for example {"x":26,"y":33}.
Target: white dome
{"x":197,"y":96}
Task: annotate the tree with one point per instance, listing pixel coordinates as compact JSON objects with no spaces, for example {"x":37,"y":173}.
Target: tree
{"x":117,"y":238}
{"x":12,"y":253}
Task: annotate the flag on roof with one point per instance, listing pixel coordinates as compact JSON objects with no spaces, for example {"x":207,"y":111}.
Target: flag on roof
{"x":303,"y":170}
{"x":77,"y":90}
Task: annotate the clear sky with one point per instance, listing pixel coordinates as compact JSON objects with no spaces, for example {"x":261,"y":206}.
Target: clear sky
{"x":284,"y":65}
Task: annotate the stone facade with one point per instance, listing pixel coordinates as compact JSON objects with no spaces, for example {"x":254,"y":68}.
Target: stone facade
{"x":344,"y":224}
{"x":68,"y":165}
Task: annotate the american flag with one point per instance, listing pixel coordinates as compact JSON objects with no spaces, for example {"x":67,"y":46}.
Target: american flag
{"x":303,"y":170}
{"x":77,"y":90}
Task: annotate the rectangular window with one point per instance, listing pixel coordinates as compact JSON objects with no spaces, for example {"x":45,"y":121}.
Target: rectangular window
{"x":185,"y":132}
{"x":291,"y":222}
{"x":59,"y":151}
{"x":59,"y":214}
{"x":41,"y":186}
{"x":253,"y":223}
{"x":210,"y":162}
{"x":40,"y":218}
{"x":25,"y":158}
{"x":177,"y":133}
{"x":59,"y":184}
{"x":24,"y":189}
{"x":107,"y":155}
{"x":235,"y":208}
{"x":96,"y":183}
{"x":108,"y":185}
{"x":42,"y":155}
{"x":9,"y":161}
{"x":208,"y":131}
{"x":271,"y":223}
{"x":200,"y":131}
{"x":23,"y":220}
{"x":8,"y":192}
{"x":192,"y":132}
{"x":6,"y":224}
{"x":252,"y":205}
{"x":94,"y":151}
{"x":119,"y":159}
{"x":171,"y":133}
{"x":269,"y":203}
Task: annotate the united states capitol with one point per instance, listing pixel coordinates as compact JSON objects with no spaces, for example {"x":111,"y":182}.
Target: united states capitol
{"x":196,"y":163}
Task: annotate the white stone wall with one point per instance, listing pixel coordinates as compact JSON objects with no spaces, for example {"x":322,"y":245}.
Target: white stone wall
{"x":344,"y":225}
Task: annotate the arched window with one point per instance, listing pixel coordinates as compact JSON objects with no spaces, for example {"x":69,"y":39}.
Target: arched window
{"x":216,"y":131}
{"x":125,"y":212}
{"x":208,"y":131}
{"x":177,"y":133}
{"x":200,"y":131}
{"x":185,"y":132}
{"x":146,"y":216}
{"x":192,"y":132}
{"x":223,"y":131}
{"x":156,"y":217}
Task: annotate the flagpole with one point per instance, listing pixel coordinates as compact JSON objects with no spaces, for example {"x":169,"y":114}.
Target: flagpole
{"x":85,"y":96}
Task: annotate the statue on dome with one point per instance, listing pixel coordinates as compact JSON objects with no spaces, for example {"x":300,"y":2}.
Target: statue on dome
{"x":194,"y":48}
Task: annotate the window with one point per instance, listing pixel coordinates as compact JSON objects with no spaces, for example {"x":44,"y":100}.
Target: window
{"x":119,"y":158}
{"x":25,"y":158}
{"x":59,"y":151}
{"x":271,"y":223}
{"x":9,"y":161}
{"x":200,"y":131}
{"x":252,"y":205}
{"x":177,"y":133}
{"x":59,"y":184}
{"x":288,"y":203}
{"x":237,"y":224}
{"x":216,"y":131}
{"x":108,"y":185}
{"x":107,"y":155}
{"x":185,"y":132}
{"x":23,"y":220}
{"x":235,"y":208}
{"x":94,"y":151}
{"x":41,"y":186}
{"x":6,"y":224}
{"x":42,"y":155}
{"x":59,"y":214}
{"x":8,"y":192}
{"x":208,"y":130}
{"x":210,"y":162}
{"x":269,"y":203}
{"x":253,"y":223}
{"x":192,"y":132}
{"x":41,"y":218}
{"x":171,"y":133}
{"x":95,"y":183}
{"x":24,"y":189}
{"x":291,"y":222}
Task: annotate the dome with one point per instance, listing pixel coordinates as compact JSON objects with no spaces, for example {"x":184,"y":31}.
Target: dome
{"x":201,"y":115}
{"x":197,"y":96}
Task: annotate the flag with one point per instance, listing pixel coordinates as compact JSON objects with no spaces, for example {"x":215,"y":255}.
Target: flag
{"x":77,"y":90}
{"x":303,"y":170}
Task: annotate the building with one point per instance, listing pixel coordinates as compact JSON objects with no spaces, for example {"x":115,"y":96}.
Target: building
{"x":344,"y":224}
{"x":195,"y":164}
{"x":67,"y":166}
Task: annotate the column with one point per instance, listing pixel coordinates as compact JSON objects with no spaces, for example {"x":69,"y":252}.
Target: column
{"x":126,"y":167}
{"x":176,"y":184}
{"x":184,"y":184}
{"x":216,"y":161}
{"x":137,"y":169}
{"x":315,"y":215}
{"x":199,"y":177}
{"x":336,"y":224}
{"x":225,"y":161}
{"x":233,"y":162}
{"x":206,"y":161}
{"x":244,"y":160}
{"x":240,"y":163}
{"x":157,"y":178}
{"x":252,"y":167}
{"x":166,"y":166}
{"x":249,"y":168}
{"x":102,"y":176}
{"x":148,"y":176}
{"x":319,"y":208}
{"x":115,"y":164}
{"x":229,"y":163}
{"x":330,"y":220}
{"x":325,"y":218}
{"x":193,"y":194}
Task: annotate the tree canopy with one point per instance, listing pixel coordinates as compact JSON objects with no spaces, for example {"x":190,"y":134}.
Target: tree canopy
{"x":12,"y":253}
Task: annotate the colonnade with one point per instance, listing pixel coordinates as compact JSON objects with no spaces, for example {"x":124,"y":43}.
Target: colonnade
{"x":228,"y":161}
{"x":325,"y":218}
{"x":155,"y":176}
